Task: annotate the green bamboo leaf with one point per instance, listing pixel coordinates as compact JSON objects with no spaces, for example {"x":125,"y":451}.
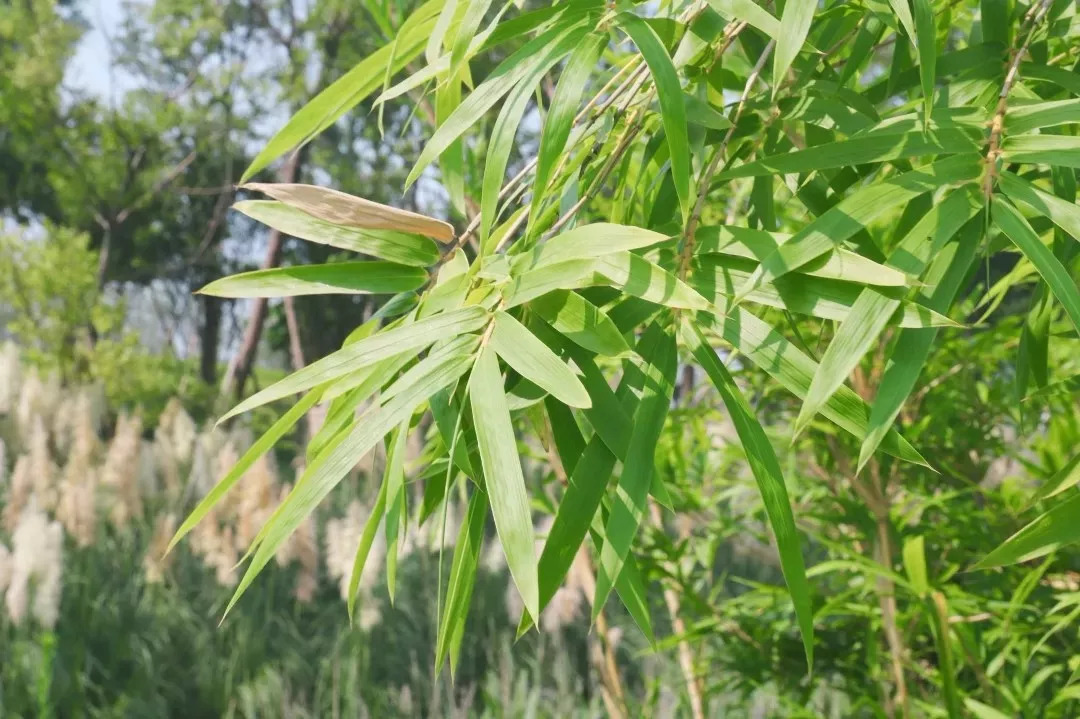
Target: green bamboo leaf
{"x":1065,"y":215}
{"x":1057,"y":150}
{"x":337,"y":278}
{"x":531,"y":284}
{"x":780,"y":359}
{"x":433,"y":48}
{"x":400,"y":247}
{"x":878,"y":146}
{"x":1065,"y":478}
{"x":914,"y":556}
{"x":1057,"y":278}
{"x":839,"y":264}
{"x":560,"y":117}
{"x":424,"y":379}
{"x":750,"y":13}
{"x":628,"y":503}
{"x":719,"y":277}
{"x":647,"y":280}
{"x":1068,"y":386}
{"x":672,"y":111}
{"x":542,"y":51}
{"x":983,"y":711}
{"x":872,"y":310}
{"x":948,"y":271}
{"x":466,"y":32}
{"x":1025,"y":118}
{"x":586,"y":242}
{"x":363,"y":548}
{"x":470,"y":542}
{"x":394,"y":481}
{"x":794,"y":27}
{"x":532,"y":359}
{"x":699,"y":112}
{"x":1050,"y":531}
{"x":502,"y":473}
{"x":854,"y":213}
{"x":770,"y":480}
{"x":926,"y":47}
{"x":350,"y":89}
{"x":415,"y":336}
{"x":580,"y":321}
{"x":260,"y":447}
{"x":630,"y":586}
{"x":903,"y":14}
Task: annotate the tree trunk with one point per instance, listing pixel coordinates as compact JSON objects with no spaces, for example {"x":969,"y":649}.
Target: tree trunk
{"x":209,"y":336}
{"x":240,"y":365}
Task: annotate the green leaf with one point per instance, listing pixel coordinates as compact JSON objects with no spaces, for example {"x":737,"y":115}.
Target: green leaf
{"x":642,"y":278}
{"x":903,"y":14}
{"x":926,"y":47}
{"x":770,"y":480}
{"x":350,"y":89}
{"x":363,"y":548}
{"x":466,"y":32}
{"x":529,"y":285}
{"x":628,"y":503}
{"x":1065,"y":215}
{"x":914,"y":555}
{"x":415,"y":336}
{"x":394,"y":480}
{"x":1013,"y":224}
{"x":560,"y":117}
{"x":1058,"y":150}
{"x":467,"y":548}
{"x":854,"y":213}
{"x":982,"y":711}
{"x":672,"y":111}
{"x":337,"y":278}
{"x":794,"y":27}
{"x":1065,"y":478}
{"x":542,"y":51}
{"x":948,"y":271}
{"x":424,"y":379}
{"x":749,"y":12}
{"x":1053,"y":529}
{"x":400,"y":247}
{"x":532,"y":359}
{"x":260,"y":447}
{"x":878,"y":146}
{"x":586,"y":242}
{"x":872,"y":310}
{"x":502,"y":473}
{"x":580,"y":321}
{"x":1025,"y":118}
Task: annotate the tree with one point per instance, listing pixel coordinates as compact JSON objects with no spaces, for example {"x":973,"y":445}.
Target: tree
{"x":807,"y":192}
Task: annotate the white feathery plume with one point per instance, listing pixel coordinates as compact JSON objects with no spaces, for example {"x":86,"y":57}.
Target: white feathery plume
{"x":10,"y":377}
{"x":37,"y":568}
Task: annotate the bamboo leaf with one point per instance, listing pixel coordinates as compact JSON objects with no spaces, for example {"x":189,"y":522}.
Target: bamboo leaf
{"x":400,"y":247}
{"x":532,"y":359}
{"x":586,"y":242}
{"x":628,"y":502}
{"x":1065,"y":215}
{"x":1057,"y":150}
{"x":750,"y":13}
{"x":1025,"y":118}
{"x":1065,"y":478}
{"x":672,"y":111}
{"x":580,"y":321}
{"x":336,"y":278}
{"x":415,"y":336}
{"x":642,"y":278}
{"x":1057,"y":278}
{"x":926,"y":48}
{"x":502,"y":474}
{"x":363,"y":548}
{"x":394,"y":480}
{"x":794,"y":27}
{"x":463,"y":568}
{"x":1050,"y":531}
{"x":770,"y":481}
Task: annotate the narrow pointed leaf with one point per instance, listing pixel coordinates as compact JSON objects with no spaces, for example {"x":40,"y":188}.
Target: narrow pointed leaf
{"x":749,"y":12}
{"x":1050,"y":531}
{"x":533,"y":360}
{"x":580,"y":321}
{"x":394,"y":479}
{"x":770,"y":480}
{"x":500,"y":142}
{"x":1025,"y":118}
{"x":363,"y":548}
{"x":374,"y":277}
{"x":586,"y":242}
{"x":502,"y":474}
{"x":794,"y":27}
{"x":926,"y":47}
{"x":1058,"y":150}
{"x":463,"y":568}
{"x":1065,"y":215}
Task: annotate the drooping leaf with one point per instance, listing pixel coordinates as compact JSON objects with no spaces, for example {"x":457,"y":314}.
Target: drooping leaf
{"x":1065,"y":215}
{"x":672,"y":111}
{"x":794,"y":27}
{"x":749,"y":12}
{"x":503,"y":477}
{"x":463,"y":568}
{"x":336,"y":278}
{"x":532,"y":359}
{"x":394,"y":480}
{"x":579,"y":320}
{"x":926,"y":46}
{"x":1050,"y":531}
{"x":1057,"y":278}
{"x":363,"y":548}
{"x":770,"y":481}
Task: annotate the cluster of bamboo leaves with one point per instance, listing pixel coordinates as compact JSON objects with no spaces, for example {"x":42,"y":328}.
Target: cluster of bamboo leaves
{"x":898,"y":142}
